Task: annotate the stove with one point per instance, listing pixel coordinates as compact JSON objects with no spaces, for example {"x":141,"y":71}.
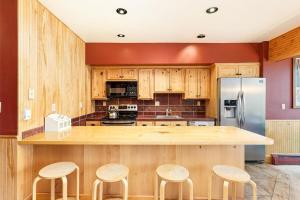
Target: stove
{"x":127,"y":114}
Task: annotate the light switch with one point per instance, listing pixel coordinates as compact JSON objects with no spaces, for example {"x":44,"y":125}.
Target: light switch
{"x":157,"y":103}
{"x":80,"y":105}
{"x":104,"y":103}
{"x":198,"y":103}
{"x":0,"y":106}
{"x":53,"y":107}
{"x":31,"y":94}
{"x":283,"y":106}
{"x":27,"y":114}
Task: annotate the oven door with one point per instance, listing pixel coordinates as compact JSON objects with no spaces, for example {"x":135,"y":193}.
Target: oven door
{"x":118,"y":123}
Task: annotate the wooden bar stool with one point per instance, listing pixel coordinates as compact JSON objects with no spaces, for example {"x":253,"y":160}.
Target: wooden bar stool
{"x":111,"y":173}
{"x":172,"y":173}
{"x":58,"y":170}
{"x":231,"y":175}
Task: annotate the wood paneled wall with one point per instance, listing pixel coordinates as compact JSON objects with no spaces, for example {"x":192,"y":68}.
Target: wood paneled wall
{"x":8,"y":168}
{"x":286,"y":135}
{"x":285,"y":46}
{"x":52,"y":62}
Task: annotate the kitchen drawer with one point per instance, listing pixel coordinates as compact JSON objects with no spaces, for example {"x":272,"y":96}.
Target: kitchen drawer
{"x":92,"y":123}
{"x":179,"y":123}
{"x":145,"y":123}
{"x":162,"y":123}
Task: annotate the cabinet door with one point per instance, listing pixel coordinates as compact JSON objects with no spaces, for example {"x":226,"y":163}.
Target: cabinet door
{"x":227,"y":71}
{"x":145,"y":84}
{"x":249,"y":70}
{"x":162,"y":123}
{"x":177,"y":80}
{"x":114,"y":74}
{"x":204,"y":83}
{"x":191,"y":84}
{"x":178,"y":123}
{"x":129,"y":74}
{"x":98,"y":84}
{"x":145,"y":123}
{"x":161,"y":80}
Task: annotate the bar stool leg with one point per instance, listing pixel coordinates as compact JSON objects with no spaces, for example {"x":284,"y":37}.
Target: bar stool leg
{"x":95,"y":186}
{"x":100,"y":194}
{"x":233,"y":194}
{"x":125,"y":189}
{"x":156,"y":187}
{"x":162,"y":189}
{"x":180,"y":191}
{"x":210,"y":177}
{"x":225,"y":190}
{"x":191,"y":186}
{"x":36,"y":180}
{"x":52,"y":189}
{"x":64,"y":188}
{"x":253,"y":189}
{"x":77,"y":183}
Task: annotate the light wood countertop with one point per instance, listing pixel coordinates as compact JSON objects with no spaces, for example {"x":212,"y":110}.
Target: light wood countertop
{"x":153,"y":135}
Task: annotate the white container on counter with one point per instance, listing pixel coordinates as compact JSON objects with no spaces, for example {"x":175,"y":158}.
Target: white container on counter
{"x":57,"y":126}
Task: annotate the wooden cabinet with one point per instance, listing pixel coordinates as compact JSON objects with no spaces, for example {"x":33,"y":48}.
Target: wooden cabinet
{"x":98,"y":83}
{"x":92,"y":123}
{"x":171,"y":123}
{"x":145,"y":84}
{"x":169,"y":80}
{"x":145,"y":123}
{"x":238,"y":70}
{"x":122,"y":74}
{"x":197,"y":84}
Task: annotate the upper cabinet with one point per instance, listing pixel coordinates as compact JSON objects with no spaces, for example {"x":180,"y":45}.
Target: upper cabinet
{"x":169,"y":80}
{"x":237,"y":70}
{"x":145,"y":84}
{"x":98,"y":83}
{"x":197,"y":84}
{"x":122,"y":74}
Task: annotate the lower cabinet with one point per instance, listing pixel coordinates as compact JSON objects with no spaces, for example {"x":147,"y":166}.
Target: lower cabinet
{"x":92,"y":123}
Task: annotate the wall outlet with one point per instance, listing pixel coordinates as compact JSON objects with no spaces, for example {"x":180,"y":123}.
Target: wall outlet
{"x":27,"y":114}
{"x":30,"y":93}
{"x":80,"y":105}
{"x":283,"y":106}
{"x":104,"y":103}
{"x":198,"y":103}
{"x":157,"y":103}
{"x":53,"y":107}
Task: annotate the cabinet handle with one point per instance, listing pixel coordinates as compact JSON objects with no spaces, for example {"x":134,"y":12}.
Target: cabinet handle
{"x":178,"y":125}
{"x":144,"y":125}
{"x":164,"y":125}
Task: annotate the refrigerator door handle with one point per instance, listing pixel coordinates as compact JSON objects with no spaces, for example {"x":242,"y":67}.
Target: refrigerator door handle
{"x":243,"y":109}
{"x":239,"y":109}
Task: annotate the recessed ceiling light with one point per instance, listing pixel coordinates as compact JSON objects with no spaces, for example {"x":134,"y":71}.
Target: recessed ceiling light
{"x":121,"y":11}
{"x":212,"y":10}
{"x":121,"y":35}
{"x":201,"y":36}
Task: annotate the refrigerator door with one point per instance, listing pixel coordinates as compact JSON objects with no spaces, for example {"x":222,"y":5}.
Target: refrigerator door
{"x":253,"y":119}
{"x":229,"y":90}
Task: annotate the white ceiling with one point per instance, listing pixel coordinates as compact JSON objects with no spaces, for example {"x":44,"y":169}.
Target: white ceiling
{"x":177,"y":21}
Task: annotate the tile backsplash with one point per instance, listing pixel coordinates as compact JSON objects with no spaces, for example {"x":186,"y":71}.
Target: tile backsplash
{"x":178,"y":105}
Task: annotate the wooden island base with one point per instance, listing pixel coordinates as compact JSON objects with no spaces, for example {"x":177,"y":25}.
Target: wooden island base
{"x":142,"y":161}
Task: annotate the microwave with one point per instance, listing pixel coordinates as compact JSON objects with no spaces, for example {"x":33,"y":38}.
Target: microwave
{"x":119,"y":89}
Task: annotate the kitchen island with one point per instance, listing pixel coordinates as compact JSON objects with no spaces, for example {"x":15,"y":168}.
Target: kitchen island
{"x":143,"y":149}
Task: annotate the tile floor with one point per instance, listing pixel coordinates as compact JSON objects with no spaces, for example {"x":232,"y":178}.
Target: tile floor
{"x":280,"y":182}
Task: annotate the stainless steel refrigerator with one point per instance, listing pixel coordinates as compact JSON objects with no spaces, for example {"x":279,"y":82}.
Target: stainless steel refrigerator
{"x":242,"y":104}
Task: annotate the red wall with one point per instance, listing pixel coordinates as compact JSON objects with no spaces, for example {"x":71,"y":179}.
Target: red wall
{"x":8,"y":67}
{"x":169,"y":53}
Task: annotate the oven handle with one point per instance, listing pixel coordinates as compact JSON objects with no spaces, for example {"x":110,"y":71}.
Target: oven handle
{"x":118,"y":123}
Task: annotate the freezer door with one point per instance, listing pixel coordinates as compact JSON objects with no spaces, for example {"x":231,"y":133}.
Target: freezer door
{"x":228,"y":91}
{"x":253,"y":119}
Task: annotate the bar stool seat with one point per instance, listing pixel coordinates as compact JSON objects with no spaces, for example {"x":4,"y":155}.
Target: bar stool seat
{"x":173,"y":173}
{"x":231,"y":175}
{"x":112,"y":172}
{"x":57,"y":170}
